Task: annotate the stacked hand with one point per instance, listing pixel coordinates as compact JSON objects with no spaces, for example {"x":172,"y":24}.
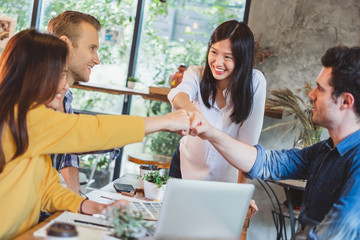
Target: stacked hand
{"x":189,"y":122}
{"x":198,"y":125}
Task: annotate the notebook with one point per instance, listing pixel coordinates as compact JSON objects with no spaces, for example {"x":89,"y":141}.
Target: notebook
{"x":88,"y":227}
{"x":194,"y":209}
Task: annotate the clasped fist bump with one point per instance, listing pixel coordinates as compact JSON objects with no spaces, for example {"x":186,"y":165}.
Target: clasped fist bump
{"x":193,"y":120}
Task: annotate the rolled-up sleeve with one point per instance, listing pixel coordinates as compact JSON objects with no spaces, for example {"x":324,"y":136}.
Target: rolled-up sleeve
{"x":276,"y":165}
{"x":258,"y":165}
{"x":190,"y":84}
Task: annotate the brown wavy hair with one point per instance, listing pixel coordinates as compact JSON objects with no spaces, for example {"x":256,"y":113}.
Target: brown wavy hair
{"x":67,"y":23}
{"x":30,"y":69}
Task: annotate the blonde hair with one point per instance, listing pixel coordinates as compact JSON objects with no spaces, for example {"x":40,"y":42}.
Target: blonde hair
{"x":67,"y":24}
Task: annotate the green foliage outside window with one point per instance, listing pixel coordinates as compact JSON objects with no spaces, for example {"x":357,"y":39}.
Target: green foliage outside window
{"x":162,"y":143}
{"x":158,"y":57}
{"x":111,"y":14}
{"x":18,"y":9}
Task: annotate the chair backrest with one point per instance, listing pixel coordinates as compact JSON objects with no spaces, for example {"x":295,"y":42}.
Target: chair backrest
{"x":277,"y":210}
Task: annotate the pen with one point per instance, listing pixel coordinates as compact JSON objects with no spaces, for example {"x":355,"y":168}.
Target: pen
{"x":108,"y":198}
{"x":96,"y":224}
{"x":83,"y":194}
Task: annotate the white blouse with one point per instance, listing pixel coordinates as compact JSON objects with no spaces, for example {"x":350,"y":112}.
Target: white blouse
{"x":198,"y":158}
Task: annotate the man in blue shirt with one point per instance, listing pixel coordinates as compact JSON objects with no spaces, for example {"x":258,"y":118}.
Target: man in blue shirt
{"x":331,"y":167}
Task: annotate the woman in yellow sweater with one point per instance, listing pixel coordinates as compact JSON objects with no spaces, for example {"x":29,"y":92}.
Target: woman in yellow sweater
{"x":33,"y":74}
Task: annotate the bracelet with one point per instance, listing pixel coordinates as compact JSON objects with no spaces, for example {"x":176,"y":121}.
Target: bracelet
{"x":81,"y":204}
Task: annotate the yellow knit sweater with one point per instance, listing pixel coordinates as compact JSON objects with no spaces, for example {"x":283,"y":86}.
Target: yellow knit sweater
{"x":29,"y":184}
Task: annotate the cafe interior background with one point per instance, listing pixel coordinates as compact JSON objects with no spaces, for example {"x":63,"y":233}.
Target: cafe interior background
{"x":149,"y":39}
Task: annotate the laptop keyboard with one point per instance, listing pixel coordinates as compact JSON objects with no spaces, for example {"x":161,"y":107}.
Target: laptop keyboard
{"x":149,"y":210}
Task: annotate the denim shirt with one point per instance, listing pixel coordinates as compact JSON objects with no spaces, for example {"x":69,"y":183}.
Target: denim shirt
{"x":332,"y":193}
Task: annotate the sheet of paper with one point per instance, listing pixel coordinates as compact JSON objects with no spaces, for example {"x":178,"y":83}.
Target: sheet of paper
{"x":85,"y":230}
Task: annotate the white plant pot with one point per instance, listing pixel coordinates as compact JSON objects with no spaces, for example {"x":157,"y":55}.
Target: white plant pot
{"x":131,"y":85}
{"x":153,"y":192}
{"x":142,"y":173}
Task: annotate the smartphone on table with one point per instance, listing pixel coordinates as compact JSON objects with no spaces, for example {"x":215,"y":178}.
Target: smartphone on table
{"x":126,"y":189}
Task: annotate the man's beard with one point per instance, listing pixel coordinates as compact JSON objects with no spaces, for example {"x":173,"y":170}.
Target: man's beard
{"x":77,"y":76}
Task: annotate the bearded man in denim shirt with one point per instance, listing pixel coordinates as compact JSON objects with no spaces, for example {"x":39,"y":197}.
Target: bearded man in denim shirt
{"x":331,"y":167}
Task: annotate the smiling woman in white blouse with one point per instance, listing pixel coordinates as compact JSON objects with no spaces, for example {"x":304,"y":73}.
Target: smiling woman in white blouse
{"x":229,"y":93}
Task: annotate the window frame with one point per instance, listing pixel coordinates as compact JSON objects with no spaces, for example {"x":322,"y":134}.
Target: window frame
{"x":35,"y":23}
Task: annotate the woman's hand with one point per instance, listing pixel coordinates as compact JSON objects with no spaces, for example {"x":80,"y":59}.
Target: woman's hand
{"x":199,"y":126}
{"x":253,"y":208}
{"x":90,"y":207}
{"x":119,"y":203}
{"x":177,"y":121}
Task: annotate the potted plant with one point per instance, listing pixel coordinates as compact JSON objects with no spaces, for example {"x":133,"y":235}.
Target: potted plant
{"x":131,"y":82}
{"x":144,"y":169}
{"x":161,"y":143}
{"x":128,"y":224}
{"x":155,"y":185}
{"x":292,"y":104}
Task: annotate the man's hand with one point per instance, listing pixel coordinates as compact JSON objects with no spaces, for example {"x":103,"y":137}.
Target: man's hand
{"x":199,"y":126}
{"x":242,"y":156}
{"x":71,"y":177}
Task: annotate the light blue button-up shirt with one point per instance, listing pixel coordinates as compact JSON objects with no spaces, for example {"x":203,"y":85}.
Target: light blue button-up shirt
{"x":332,"y":194}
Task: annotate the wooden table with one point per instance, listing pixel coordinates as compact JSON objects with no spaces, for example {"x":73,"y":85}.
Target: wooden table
{"x":29,"y":235}
{"x":147,"y":158}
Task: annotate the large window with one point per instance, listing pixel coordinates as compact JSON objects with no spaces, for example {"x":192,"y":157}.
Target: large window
{"x":19,"y":11}
{"x":146,"y":39}
{"x":117,"y":20}
{"x":172,"y":34}
{"x":177,"y":33}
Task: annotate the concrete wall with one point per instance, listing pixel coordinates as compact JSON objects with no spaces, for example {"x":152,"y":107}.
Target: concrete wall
{"x":298,"y":32}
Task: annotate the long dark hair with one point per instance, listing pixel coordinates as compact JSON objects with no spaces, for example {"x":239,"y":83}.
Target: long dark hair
{"x":30,"y":68}
{"x":240,"y":86}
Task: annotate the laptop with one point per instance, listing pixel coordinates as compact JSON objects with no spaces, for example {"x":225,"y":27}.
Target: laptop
{"x":194,"y":209}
